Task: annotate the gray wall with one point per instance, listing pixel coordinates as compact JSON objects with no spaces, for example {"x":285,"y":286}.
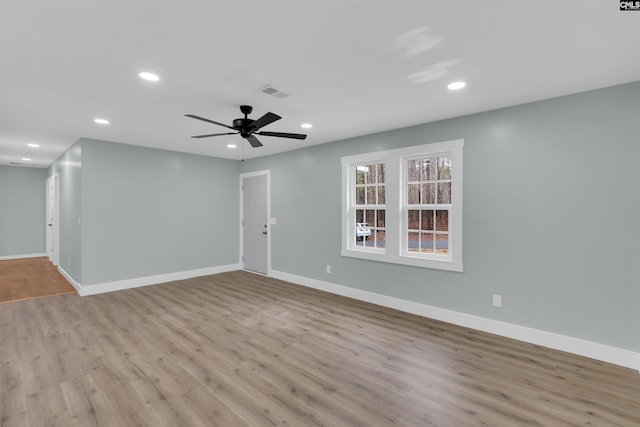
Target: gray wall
{"x":22,"y":211}
{"x":147,"y":212}
{"x":550,"y":216}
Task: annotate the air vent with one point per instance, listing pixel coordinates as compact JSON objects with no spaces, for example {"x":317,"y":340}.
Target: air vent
{"x":270,"y":90}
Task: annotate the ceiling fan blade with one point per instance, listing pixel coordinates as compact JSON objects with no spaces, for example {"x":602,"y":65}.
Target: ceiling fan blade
{"x":283,"y":135}
{"x":214,"y":134}
{"x":263,"y":121}
{"x":207,"y":120}
{"x":255,"y":143}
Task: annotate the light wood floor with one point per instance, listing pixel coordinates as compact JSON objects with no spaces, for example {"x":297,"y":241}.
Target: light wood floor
{"x":29,"y":278}
{"x":238,"y":349}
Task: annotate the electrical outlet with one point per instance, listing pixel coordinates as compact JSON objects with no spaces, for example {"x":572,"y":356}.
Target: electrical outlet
{"x":497,"y":300}
{"x":69,"y":262}
{"x":328,"y":269}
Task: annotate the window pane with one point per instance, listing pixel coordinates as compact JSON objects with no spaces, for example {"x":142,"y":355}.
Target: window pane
{"x":379,"y":238}
{"x":444,"y":167}
{"x":371,"y":195}
{"x":428,"y":169}
{"x":370,"y":217}
{"x":369,"y":190}
{"x":413,"y":220}
{"x":444,"y":193}
{"x":370,"y":175}
{"x":381,"y":170}
{"x":426,"y":242}
{"x":427,"y":229}
{"x":381,"y":219}
{"x":413,"y":170}
{"x":442,"y":220}
{"x":413,"y":197}
{"x":442,"y":244}
{"x":381,"y":200}
{"x":362,"y":230}
{"x":428,"y":194}
{"x":413,"y":241}
{"x":427,"y":220}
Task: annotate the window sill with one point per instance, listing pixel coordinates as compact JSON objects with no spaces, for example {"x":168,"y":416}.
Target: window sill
{"x":436,"y":264}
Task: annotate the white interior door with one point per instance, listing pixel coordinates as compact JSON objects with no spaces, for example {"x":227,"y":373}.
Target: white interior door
{"x":48,"y":217}
{"x":255,"y":223}
{"x":53,"y":225}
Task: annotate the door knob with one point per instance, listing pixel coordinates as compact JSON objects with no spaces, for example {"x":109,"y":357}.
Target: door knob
{"x":264,"y":232}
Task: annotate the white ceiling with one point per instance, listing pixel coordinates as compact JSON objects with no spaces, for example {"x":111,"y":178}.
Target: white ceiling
{"x":351,"y":67}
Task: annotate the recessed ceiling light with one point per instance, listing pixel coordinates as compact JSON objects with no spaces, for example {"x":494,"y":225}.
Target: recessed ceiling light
{"x":101,"y":121}
{"x":149,"y":76}
{"x":33,"y":145}
{"x":306,"y":125}
{"x":456,"y":85}
{"x":231,"y":145}
{"x":26,"y":159}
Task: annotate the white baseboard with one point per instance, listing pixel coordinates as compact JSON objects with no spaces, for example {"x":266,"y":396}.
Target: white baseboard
{"x":605,"y":353}
{"x":8,"y":257}
{"x":70,"y":279}
{"x":119,"y":285}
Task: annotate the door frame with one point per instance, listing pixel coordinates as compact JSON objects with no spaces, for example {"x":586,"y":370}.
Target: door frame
{"x":52,"y":234}
{"x":242,"y":176}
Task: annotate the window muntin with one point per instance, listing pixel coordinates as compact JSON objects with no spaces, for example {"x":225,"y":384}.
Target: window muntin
{"x":420,"y":213}
{"x":427,"y":205}
{"x":369,"y":204}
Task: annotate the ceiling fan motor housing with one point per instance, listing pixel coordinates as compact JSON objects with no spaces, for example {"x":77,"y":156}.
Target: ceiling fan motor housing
{"x":242,"y":123}
{"x":243,"y":126}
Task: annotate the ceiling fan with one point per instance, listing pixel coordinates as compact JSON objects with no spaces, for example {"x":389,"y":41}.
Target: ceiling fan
{"x":249,"y":128}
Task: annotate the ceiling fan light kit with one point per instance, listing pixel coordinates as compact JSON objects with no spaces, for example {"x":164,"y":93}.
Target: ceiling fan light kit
{"x":249,"y":128}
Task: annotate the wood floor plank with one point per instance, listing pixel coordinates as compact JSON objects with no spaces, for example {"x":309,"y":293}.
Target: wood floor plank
{"x":30,"y":278}
{"x":239,"y":349}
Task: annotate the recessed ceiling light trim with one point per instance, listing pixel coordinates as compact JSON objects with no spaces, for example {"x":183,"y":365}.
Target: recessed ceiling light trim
{"x":150,"y":77}
{"x":456,"y":85}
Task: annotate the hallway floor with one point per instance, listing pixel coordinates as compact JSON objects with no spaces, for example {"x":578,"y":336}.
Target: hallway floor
{"x":30,"y":278}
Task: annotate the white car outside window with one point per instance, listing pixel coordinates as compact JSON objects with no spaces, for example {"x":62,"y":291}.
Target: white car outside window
{"x":362,"y":230}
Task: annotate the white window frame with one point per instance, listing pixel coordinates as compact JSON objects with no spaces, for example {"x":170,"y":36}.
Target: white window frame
{"x":355,"y":207}
{"x":396,"y":207}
